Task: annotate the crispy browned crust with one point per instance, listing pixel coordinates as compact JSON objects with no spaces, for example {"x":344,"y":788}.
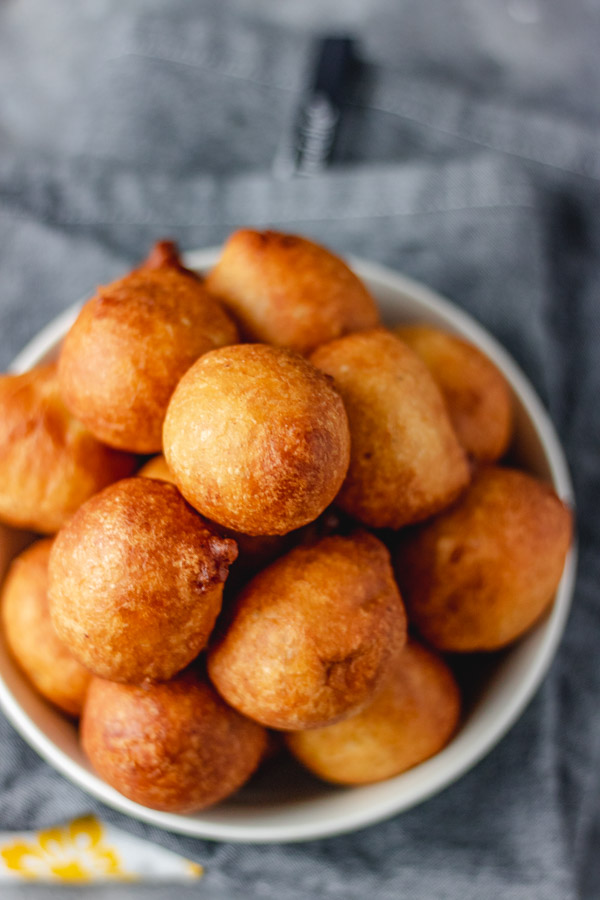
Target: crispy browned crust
{"x":136,"y":581}
{"x":254,"y":551}
{"x":312,"y":636}
{"x":176,"y":746}
{"x":49,"y":462}
{"x":128,"y":348}
{"x":406,"y":463}
{"x":288,"y":291}
{"x":410,"y":719}
{"x":483,"y":572}
{"x":32,"y":641}
{"x":477,"y":395}
{"x":165,"y":255}
{"x":257,"y":439}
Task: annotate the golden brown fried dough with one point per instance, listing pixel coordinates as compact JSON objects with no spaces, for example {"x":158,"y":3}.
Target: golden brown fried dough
{"x":312,"y":636}
{"x":46,"y":661}
{"x":410,"y":719}
{"x":476,"y":393}
{"x":482,"y":573}
{"x":406,"y":463}
{"x":128,"y":348}
{"x":165,"y":255}
{"x":136,"y":581}
{"x":49,"y":462}
{"x":288,"y":291}
{"x":176,"y":746}
{"x":257,"y":439}
{"x":254,"y":551}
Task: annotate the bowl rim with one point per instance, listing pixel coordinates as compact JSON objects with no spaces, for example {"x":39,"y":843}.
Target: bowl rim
{"x":391,"y":804}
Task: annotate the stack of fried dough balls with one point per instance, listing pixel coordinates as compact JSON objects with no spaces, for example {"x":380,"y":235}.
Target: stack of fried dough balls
{"x":49,"y":462}
{"x":268,"y":392}
{"x":130,"y":345}
{"x":34,"y":643}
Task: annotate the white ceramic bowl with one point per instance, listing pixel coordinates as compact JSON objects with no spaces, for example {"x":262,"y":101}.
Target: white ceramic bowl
{"x":287,"y":804}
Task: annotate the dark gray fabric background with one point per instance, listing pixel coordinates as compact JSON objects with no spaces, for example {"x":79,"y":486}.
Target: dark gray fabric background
{"x":469,"y":158}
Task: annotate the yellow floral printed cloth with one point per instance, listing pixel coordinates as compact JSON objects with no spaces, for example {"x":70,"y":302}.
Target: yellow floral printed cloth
{"x":87,"y":850}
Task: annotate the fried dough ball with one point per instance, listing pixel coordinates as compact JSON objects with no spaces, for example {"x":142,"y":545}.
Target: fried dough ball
{"x":49,"y":462}
{"x":46,"y":661}
{"x":483,"y":572}
{"x":136,"y":581}
{"x":312,"y":637}
{"x":288,"y":291}
{"x":476,"y":393}
{"x":254,"y":551}
{"x":410,"y":719}
{"x":406,"y":463}
{"x":257,"y":439}
{"x":129,"y":347}
{"x":176,"y":746}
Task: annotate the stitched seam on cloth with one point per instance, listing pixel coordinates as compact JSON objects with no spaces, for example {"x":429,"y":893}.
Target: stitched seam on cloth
{"x":480,"y":142}
{"x":208,"y":67}
{"x":42,"y":188}
{"x":486,"y":116}
{"x":422,"y":93}
{"x":231,"y":59}
{"x":23,"y":215}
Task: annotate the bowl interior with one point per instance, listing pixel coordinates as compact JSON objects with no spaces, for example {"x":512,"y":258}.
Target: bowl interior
{"x":283,"y":802}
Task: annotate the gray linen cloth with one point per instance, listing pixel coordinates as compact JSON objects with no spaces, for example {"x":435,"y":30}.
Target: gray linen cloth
{"x":124,"y":122}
